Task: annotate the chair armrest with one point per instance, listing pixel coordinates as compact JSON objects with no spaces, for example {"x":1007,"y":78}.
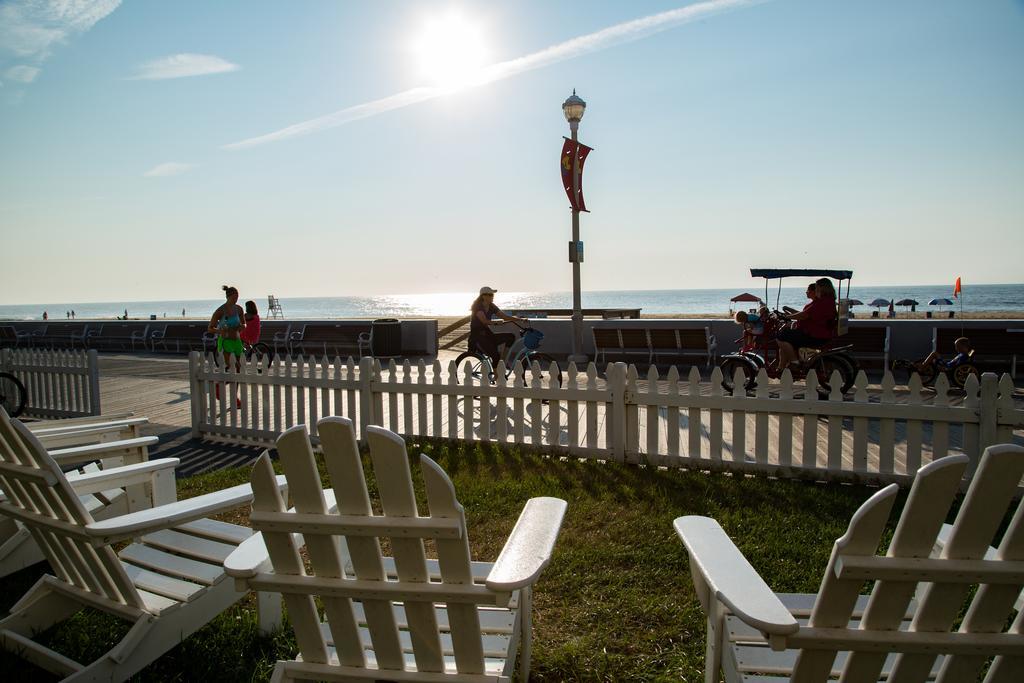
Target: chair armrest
{"x":155,"y":334}
{"x":251,"y":556}
{"x":295,"y":336}
{"x":730,"y":579}
{"x":98,"y":451}
{"x":173,"y":514}
{"x":115,"y":477}
{"x":95,"y":425}
{"x":528,"y":548}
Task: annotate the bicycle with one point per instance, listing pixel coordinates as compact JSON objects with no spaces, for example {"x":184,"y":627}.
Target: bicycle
{"x":957,"y":375}
{"x":523,"y":350}
{"x":12,"y":394}
{"x":822,"y":362}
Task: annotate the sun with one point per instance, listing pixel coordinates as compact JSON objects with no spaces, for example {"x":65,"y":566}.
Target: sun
{"x":450,"y":51}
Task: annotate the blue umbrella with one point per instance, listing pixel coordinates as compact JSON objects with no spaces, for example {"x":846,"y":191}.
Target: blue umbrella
{"x":940,"y":302}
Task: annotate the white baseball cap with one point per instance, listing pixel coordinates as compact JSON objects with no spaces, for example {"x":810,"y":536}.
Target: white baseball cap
{"x":487,"y":290}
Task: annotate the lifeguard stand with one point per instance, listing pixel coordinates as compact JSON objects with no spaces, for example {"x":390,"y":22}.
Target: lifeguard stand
{"x":274,"y":306}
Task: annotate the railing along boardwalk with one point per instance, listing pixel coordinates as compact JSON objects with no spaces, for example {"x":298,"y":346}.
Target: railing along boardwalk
{"x":58,"y":383}
{"x":784,"y":429}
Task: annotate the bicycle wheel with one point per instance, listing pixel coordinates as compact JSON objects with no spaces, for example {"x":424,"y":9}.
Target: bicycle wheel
{"x":547,"y":377}
{"x":960,"y":373}
{"x":261,"y":350}
{"x":478,"y":368}
{"x":12,"y":394}
{"x":729,"y":366}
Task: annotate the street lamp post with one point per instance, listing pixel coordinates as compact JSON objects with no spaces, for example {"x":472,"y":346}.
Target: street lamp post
{"x":573,"y":109}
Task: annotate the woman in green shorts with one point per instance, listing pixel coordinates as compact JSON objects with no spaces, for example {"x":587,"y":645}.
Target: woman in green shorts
{"x":227,"y":323}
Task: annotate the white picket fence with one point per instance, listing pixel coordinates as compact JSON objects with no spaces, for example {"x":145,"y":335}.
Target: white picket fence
{"x":58,"y":383}
{"x":783,"y":429}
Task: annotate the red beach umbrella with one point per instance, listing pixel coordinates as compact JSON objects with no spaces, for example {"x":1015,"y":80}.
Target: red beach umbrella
{"x":745,"y":297}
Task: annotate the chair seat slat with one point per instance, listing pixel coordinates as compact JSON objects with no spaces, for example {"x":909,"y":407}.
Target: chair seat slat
{"x":188,"y":545}
{"x":183,"y":567}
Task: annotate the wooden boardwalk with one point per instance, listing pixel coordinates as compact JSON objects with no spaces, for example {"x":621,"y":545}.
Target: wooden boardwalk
{"x":157,"y":387}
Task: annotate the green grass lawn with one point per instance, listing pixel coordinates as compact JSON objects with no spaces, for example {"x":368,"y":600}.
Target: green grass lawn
{"x":616,"y":603}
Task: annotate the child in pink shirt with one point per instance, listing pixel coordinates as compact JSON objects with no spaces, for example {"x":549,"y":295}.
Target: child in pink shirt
{"x":250,"y":334}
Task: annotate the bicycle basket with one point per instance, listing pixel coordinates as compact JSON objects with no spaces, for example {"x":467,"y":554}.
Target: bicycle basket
{"x":532,"y":338}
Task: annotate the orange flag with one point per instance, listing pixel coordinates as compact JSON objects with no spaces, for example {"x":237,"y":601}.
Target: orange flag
{"x":956,"y":289}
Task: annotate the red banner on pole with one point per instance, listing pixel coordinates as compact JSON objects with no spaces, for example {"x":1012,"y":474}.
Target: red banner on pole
{"x":580,"y":151}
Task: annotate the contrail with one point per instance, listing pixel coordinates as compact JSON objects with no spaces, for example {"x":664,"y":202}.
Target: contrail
{"x":625,"y":32}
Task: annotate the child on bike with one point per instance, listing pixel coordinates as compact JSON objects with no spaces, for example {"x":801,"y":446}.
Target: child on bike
{"x":963,"y":349}
{"x":753,"y":325}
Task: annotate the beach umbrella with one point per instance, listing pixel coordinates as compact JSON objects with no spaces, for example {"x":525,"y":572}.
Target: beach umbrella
{"x":940,"y":302}
{"x":879,"y":303}
{"x":745,"y":297}
{"x":854,"y":302}
{"x":907,"y":302}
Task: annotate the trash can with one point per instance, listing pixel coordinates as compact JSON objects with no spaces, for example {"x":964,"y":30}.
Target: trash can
{"x":386,"y":337}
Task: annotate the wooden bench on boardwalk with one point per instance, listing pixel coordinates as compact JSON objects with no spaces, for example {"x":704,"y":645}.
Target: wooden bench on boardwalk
{"x":870,"y":344}
{"x":327,"y":338}
{"x":991,"y":345}
{"x":654,"y":342}
{"x":117,"y":335}
{"x":63,"y":335}
{"x":187,"y":337}
{"x":11,"y":337}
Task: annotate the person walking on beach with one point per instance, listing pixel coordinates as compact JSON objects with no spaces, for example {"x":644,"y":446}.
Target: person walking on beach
{"x":46,"y":316}
{"x":183,"y":313}
{"x":482,"y":313}
{"x":72,"y":314}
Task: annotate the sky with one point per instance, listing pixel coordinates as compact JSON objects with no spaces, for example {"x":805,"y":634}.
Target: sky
{"x":153,"y":150}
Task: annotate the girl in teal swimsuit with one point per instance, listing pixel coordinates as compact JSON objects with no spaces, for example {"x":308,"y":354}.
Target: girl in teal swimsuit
{"x":227,"y":323}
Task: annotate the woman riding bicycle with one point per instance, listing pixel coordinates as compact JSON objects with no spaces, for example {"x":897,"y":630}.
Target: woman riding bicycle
{"x":815,"y":325}
{"x":483,"y":311}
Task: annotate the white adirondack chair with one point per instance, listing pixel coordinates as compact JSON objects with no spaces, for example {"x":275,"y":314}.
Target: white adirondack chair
{"x":168,"y":582}
{"x":86,"y":448}
{"x":406,"y":618}
{"x":908,"y":628}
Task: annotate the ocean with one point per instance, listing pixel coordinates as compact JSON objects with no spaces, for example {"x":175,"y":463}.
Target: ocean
{"x":692,"y":301}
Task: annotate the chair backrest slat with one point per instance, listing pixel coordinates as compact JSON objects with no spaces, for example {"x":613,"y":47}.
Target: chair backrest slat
{"x":391,"y":468}
{"x":48,"y":508}
{"x":284,"y":555}
{"x":296,"y":454}
{"x":454,"y":560}
{"x":345,"y":468}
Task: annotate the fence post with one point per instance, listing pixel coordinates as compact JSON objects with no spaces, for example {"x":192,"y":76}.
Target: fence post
{"x":195,"y":392}
{"x":617,"y":420}
{"x":93,"y":363}
{"x":988,"y":412}
{"x":366,"y":416}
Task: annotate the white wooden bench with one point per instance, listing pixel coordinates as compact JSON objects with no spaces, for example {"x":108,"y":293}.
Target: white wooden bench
{"x":167,"y":582}
{"x":909,"y":628}
{"x":399,"y":618}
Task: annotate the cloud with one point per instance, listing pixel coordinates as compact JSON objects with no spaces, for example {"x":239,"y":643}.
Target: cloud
{"x":618,"y":34}
{"x":167,"y":169}
{"x":182,"y":65}
{"x":29,"y":29}
{"x":22,"y":73}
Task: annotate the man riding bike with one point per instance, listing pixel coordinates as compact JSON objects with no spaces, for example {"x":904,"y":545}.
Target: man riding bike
{"x":483,"y":312}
